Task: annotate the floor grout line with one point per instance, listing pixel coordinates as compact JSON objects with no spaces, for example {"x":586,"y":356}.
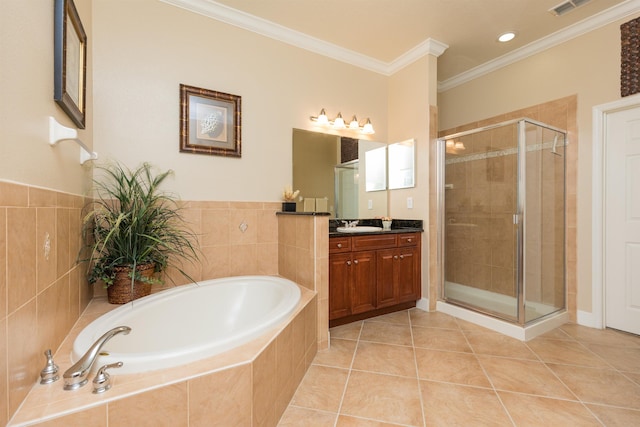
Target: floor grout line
{"x":629,"y":374}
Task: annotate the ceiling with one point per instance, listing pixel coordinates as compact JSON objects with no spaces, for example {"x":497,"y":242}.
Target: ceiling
{"x":385,"y":30}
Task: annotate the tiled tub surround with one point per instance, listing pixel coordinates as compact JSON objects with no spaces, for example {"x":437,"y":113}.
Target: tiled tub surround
{"x":42,"y":297}
{"x":250,"y":385}
{"x":42,"y":290}
{"x":303,"y":248}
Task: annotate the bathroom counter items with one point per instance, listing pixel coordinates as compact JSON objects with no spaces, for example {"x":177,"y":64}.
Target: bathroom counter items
{"x":397,"y":226}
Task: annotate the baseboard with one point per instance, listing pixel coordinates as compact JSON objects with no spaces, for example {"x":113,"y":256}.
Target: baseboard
{"x":423,"y":304}
{"x":585,"y":318}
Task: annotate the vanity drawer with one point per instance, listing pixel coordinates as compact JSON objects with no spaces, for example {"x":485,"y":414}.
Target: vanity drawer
{"x":375,"y":241}
{"x":410,"y":239}
{"x":339,"y":244}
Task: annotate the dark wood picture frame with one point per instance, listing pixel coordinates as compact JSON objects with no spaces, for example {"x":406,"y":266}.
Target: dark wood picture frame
{"x":210,"y":122}
{"x":69,"y":61}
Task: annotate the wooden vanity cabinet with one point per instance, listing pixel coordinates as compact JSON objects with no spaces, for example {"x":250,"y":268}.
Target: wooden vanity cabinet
{"x":372,"y":274}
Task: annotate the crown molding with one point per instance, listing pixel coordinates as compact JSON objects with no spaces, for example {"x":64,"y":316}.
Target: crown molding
{"x":601,"y":19}
{"x":228,"y":15}
{"x":278,"y":32}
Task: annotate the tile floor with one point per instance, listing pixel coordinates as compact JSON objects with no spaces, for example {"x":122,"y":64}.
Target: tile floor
{"x":414,"y":368}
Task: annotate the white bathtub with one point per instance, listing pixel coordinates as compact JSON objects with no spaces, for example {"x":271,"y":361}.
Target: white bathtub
{"x":190,"y":322}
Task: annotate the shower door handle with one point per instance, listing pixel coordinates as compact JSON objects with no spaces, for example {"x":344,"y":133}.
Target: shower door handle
{"x":516,"y":219}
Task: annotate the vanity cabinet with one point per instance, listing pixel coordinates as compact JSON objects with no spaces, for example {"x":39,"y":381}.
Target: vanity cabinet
{"x":372,"y":274}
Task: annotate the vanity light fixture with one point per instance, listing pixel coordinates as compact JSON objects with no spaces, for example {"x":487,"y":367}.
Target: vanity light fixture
{"x":453,"y":147}
{"x":339,"y":123}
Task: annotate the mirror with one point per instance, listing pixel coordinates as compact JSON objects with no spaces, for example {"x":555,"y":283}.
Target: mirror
{"x":326,"y":168}
{"x":401,"y":165}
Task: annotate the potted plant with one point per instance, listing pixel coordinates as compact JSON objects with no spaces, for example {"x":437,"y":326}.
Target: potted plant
{"x":289,"y":197}
{"x":133,"y":231}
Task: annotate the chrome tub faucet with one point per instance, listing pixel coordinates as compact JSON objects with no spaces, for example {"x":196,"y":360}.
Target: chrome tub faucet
{"x":77,"y":375}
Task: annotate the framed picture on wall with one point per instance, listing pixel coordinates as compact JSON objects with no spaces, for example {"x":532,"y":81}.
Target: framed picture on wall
{"x":69,"y":61}
{"x":210,"y":122}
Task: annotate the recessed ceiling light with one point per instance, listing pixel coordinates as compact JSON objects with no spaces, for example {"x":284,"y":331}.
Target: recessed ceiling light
{"x":505,"y":37}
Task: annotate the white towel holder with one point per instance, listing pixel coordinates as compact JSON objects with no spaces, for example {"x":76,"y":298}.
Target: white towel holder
{"x":58,"y":133}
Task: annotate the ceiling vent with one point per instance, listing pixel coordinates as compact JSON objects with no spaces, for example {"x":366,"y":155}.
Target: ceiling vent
{"x":566,"y":7}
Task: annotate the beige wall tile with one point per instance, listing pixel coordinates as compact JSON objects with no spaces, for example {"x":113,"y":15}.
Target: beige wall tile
{"x":238,"y":217}
{"x":46,"y":247}
{"x":221,"y":399}
{"x":21,"y":256}
{"x":53,"y":314}
{"x":63,"y":238}
{"x":264,"y":385}
{"x":163,"y":406}
{"x":94,"y":417}
{"x":40,"y":197}
{"x":215,"y":262}
{"x":214,"y":227}
{"x":243,"y":259}
{"x":13,"y":195}
{"x":3,"y":264}
{"x":267,"y":259}
{"x":4,"y":379}
{"x":267,"y":226}
{"x":23,"y":354}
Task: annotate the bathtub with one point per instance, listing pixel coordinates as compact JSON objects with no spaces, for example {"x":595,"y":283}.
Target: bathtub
{"x":190,"y":322}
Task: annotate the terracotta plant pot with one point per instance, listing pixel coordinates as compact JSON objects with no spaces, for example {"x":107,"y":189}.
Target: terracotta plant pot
{"x":121,"y":292}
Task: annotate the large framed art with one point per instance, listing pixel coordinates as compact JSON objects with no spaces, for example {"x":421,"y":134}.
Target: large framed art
{"x":70,"y":61}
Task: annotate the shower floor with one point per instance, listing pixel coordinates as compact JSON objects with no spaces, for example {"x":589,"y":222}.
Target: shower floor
{"x":501,"y":305}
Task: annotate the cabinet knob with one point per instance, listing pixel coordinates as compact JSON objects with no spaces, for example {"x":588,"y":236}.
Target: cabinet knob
{"x":409,"y":240}
{"x":395,"y":257}
{"x":339,"y":245}
{"x":348,"y":262}
{"x":401,"y":256}
{"x":355,"y":261}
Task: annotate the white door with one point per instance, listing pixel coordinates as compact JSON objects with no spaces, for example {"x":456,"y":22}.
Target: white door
{"x":622,"y":220}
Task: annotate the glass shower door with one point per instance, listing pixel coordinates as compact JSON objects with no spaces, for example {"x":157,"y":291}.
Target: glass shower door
{"x":480,"y":200}
{"x":544,"y":221}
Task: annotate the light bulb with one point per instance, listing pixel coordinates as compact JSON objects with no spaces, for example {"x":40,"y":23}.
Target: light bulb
{"x":354,"y":123}
{"x":322,"y":118}
{"x":368,"y":127}
{"x":338,"y":123}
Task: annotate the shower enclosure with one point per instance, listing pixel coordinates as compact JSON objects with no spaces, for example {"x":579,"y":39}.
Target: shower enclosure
{"x":502,"y":220}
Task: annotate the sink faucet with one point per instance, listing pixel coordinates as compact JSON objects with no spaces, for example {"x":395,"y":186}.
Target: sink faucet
{"x":77,"y":375}
{"x":351,"y":224}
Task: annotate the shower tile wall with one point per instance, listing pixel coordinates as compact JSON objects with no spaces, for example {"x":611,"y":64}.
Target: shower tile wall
{"x":561,"y":113}
{"x":480,"y":202}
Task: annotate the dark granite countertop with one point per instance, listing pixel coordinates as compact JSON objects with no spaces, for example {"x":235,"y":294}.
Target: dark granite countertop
{"x":397,"y":226}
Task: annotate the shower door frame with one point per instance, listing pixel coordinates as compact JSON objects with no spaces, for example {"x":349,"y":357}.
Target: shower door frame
{"x":519,"y":217}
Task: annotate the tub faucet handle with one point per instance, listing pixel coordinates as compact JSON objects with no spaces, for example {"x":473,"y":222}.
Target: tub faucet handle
{"x":49,"y":373}
{"x":102,"y":381}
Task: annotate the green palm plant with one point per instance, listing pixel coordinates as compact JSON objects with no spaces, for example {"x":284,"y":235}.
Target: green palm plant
{"x":132,"y":223}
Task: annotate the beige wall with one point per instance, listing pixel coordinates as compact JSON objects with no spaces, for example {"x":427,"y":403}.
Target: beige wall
{"x":411,"y":103}
{"x":26,"y":87}
{"x":588,"y":66}
{"x":139,"y":67}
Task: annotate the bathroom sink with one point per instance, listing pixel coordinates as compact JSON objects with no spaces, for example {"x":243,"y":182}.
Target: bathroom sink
{"x":359,"y":229}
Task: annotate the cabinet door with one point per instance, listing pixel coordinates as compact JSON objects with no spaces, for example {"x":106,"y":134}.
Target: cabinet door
{"x":339,"y":285}
{"x":407,"y":267}
{"x":363,"y":290}
{"x":386,"y":288}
